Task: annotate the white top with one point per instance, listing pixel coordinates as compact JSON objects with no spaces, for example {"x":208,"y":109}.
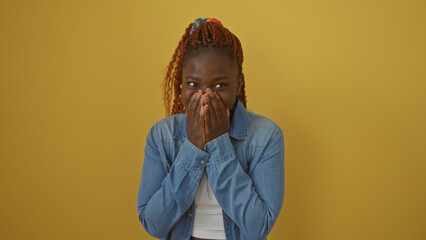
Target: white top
{"x":208,"y":219}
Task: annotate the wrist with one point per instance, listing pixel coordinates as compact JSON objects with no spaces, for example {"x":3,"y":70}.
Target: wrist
{"x":196,"y":142}
{"x":212,"y":137}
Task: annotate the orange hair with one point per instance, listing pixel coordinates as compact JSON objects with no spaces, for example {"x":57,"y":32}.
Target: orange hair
{"x":207,"y":34}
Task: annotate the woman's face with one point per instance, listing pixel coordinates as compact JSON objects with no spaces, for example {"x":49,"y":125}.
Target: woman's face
{"x":210,"y":68}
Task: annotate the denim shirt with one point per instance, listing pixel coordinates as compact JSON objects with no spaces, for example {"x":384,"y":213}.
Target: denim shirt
{"x":245,"y":167}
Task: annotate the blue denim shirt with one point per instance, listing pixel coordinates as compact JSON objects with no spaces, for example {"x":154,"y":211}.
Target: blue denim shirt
{"x":245,"y":168}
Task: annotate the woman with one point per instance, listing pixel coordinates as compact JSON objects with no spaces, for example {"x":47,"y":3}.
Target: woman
{"x":212,"y":170}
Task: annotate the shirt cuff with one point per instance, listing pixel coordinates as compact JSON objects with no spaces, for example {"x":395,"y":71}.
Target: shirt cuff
{"x":191,"y":157}
{"x":220,"y":149}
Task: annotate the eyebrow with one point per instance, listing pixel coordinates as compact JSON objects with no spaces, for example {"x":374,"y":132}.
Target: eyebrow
{"x":214,"y":79}
{"x":192,"y":77}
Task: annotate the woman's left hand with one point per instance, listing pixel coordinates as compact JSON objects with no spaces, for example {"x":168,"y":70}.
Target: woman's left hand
{"x":216,"y":116}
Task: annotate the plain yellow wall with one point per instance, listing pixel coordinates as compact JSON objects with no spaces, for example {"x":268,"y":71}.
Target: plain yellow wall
{"x":345,"y":80}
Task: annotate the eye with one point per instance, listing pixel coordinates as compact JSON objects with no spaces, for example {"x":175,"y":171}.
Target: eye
{"x":220,"y":85}
{"x":192,"y":84}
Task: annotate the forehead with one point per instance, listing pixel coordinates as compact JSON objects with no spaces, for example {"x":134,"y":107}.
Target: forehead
{"x":209,"y":59}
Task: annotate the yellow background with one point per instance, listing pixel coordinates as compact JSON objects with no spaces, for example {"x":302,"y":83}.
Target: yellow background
{"x":345,"y":80}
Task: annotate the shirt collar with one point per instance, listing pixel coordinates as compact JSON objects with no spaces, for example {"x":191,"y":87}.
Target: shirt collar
{"x":238,"y":129}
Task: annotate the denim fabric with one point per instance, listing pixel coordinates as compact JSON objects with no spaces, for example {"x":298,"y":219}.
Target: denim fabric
{"x":245,"y":168}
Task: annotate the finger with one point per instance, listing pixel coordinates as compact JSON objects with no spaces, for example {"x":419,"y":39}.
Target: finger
{"x":216,"y":107}
{"x":221,"y":108}
{"x":189,"y":107}
{"x":202,"y":111}
{"x":197,"y":108}
{"x":202,"y":125}
{"x":212,"y":109}
{"x":209,"y":114}
{"x":203,"y":99}
{"x":209,"y":90}
{"x":193,"y":103}
{"x":207,"y":117}
{"x":207,"y":99}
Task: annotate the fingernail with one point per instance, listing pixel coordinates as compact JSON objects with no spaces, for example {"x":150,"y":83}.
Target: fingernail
{"x":208,"y":90}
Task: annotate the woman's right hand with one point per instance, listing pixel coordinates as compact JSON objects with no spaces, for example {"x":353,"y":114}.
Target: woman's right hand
{"x":195,"y":123}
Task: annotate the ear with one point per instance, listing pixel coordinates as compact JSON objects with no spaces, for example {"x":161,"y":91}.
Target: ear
{"x":240,"y":83}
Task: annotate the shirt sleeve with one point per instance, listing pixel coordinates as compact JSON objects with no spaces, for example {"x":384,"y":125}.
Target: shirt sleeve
{"x":166,"y":194}
{"x":253,"y":201}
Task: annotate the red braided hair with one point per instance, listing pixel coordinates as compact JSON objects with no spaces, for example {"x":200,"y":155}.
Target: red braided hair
{"x":207,"y":34}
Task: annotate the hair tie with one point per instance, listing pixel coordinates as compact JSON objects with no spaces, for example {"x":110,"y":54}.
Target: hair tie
{"x":200,"y":21}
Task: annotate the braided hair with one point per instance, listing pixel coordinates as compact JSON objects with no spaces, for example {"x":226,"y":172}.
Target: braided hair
{"x":210,"y":33}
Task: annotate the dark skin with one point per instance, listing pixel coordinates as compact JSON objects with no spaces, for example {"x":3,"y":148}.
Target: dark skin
{"x":211,"y":81}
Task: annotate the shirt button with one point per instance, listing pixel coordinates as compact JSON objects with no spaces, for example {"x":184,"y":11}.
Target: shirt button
{"x":190,"y":214}
{"x":202,"y":161}
{"x":227,"y":218}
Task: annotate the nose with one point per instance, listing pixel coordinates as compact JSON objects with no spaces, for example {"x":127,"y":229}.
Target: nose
{"x":205,"y":89}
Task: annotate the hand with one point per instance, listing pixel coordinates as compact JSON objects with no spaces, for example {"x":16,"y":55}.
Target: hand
{"x":215,"y":115}
{"x":195,"y":123}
